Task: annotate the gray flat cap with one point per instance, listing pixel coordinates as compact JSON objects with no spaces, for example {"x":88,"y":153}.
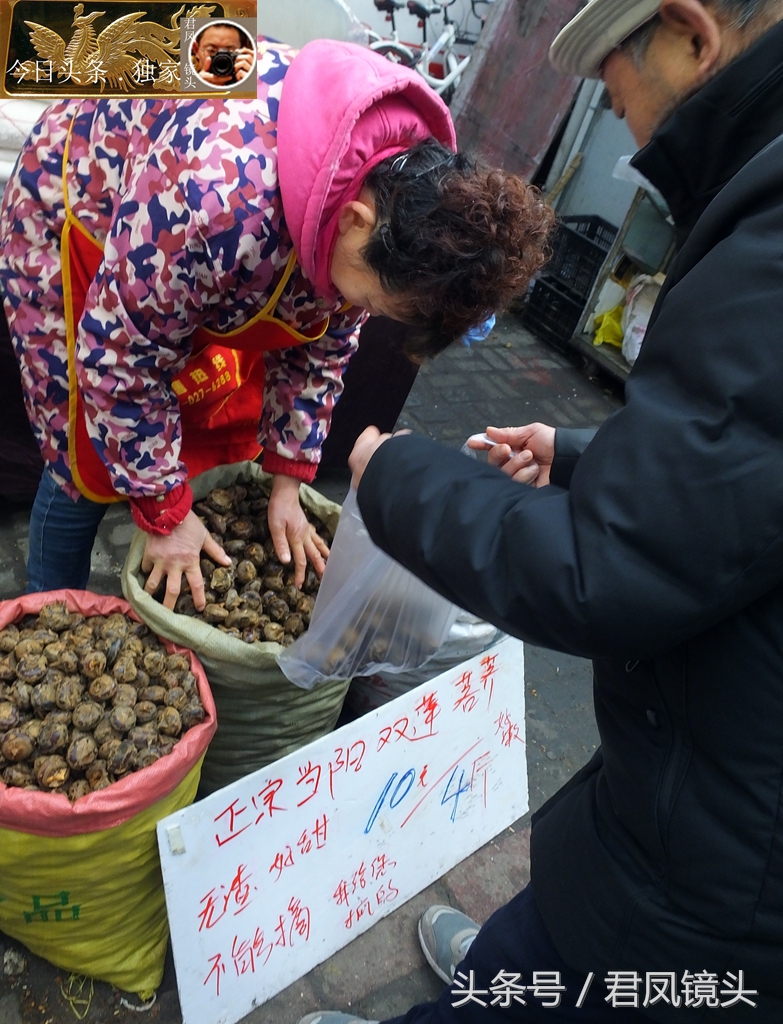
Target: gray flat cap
{"x":588,"y":39}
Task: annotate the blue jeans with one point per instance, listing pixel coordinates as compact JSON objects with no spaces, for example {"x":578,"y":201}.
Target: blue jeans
{"x":515,"y":940}
{"x":62,"y":534}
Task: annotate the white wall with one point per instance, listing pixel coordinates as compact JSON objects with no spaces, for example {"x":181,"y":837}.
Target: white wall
{"x":593,"y":190}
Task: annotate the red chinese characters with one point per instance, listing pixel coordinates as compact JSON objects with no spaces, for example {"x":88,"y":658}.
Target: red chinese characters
{"x":221,"y":900}
{"x":228,"y":827}
{"x":346,"y":759}
{"x":232,"y":820}
{"x":252,"y":951}
{"x":314,"y":838}
{"x":420,"y":727}
{"x":366,"y":889}
{"x":468,"y":693}
{"x":310,"y":780}
{"x":488,"y":675}
{"x":507,"y":729}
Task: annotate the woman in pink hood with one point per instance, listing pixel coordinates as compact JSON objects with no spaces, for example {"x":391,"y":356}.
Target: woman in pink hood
{"x":158,"y":254}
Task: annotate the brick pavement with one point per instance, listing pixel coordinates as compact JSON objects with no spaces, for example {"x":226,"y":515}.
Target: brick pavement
{"x":509,"y":379}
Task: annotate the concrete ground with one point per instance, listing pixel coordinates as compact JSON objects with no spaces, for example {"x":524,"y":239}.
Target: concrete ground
{"x":510,"y":379}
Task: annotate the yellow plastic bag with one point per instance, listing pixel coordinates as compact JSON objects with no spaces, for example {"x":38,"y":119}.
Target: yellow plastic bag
{"x":609,"y":327}
{"x":80,"y":883}
{"x":93,"y":903}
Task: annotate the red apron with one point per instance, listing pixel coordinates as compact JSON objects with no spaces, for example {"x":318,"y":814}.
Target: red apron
{"x":220,"y":389}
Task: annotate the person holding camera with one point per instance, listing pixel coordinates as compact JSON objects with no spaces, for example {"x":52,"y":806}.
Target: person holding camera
{"x":221,"y":55}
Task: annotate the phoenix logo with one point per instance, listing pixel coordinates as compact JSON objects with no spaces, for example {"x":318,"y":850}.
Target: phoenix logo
{"x":119,"y":55}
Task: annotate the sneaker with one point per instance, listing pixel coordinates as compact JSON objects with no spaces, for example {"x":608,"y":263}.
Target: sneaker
{"x":334,"y":1017}
{"x":445,"y":935}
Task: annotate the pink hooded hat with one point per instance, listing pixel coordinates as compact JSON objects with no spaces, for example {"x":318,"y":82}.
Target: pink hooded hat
{"x":343,"y":109}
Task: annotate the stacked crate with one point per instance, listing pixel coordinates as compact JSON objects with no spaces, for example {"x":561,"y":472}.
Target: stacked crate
{"x":557,"y":300}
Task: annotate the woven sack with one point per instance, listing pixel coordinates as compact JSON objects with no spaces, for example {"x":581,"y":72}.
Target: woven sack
{"x":261,"y":715}
{"x":80,"y":883}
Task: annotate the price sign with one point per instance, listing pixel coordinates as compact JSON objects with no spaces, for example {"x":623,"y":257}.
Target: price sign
{"x":267,"y":878}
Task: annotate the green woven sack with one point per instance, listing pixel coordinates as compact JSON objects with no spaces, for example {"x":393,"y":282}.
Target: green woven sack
{"x":261,"y":716}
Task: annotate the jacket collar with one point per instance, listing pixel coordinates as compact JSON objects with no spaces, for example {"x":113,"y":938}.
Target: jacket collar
{"x":717,"y":131}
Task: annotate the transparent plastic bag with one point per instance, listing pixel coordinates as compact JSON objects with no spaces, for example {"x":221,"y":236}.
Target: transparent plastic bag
{"x":371,"y":615}
{"x":468,"y":636}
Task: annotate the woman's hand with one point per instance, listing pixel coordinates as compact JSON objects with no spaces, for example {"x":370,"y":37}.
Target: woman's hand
{"x":290,"y":530}
{"x":178,"y":553}
{"x":524,"y":453}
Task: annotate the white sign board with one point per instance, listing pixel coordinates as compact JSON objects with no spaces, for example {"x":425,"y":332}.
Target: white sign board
{"x":267,"y":878}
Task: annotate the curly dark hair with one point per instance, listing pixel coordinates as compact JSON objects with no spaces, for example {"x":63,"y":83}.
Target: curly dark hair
{"x":457,"y":240}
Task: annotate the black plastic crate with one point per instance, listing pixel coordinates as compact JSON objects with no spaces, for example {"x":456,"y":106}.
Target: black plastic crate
{"x":552,"y":313}
{"x":579,"y":248}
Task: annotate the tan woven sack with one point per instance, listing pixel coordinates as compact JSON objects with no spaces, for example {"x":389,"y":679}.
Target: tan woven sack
{"x":261,"y":715}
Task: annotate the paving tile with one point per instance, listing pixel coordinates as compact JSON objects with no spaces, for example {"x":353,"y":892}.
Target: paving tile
{"x":492,"y":876}
{"x":287,"y":1007}
{"x":461,"y":395}
{"x":435,"y":412}
{"x":413,"y":401}
{"x":388,"y":951}
{"x":396,"y":998}
{"x":497,"y":360}
{"x":442,"y":380}
{"x":464,"y":353}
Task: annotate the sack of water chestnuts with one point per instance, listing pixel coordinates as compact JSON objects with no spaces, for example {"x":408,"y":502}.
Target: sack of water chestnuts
{"x":261,"y":715}
{"x":102,"y":731}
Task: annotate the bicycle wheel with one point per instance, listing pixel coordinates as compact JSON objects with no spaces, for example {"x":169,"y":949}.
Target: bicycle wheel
{"x":396,"y":53}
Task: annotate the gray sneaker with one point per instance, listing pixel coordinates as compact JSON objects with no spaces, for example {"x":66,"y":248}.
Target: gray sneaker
{"x":445,"y":935}
{"x":334,"y":1017}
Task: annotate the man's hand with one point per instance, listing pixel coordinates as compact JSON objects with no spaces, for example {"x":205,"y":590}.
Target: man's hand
{"x":290,"y":530}
{"x":524,"y":453}
{"x":243,"y":62}
{"x":367,"y":444}
{"x":178,"y":553}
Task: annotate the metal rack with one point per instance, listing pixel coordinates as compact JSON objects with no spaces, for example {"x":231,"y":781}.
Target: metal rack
{"x":607,"y":357}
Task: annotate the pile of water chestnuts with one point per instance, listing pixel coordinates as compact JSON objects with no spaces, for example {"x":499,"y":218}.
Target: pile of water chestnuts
{"x":255,"y":598}
{"x":86,"y":700}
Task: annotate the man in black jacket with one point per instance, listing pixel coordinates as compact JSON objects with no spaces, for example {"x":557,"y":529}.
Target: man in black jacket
{"x":655,"y":548}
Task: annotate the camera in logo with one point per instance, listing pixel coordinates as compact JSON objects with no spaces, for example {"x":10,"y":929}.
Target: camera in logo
{"x":222,"y":53}
{"x":223,"y":63}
